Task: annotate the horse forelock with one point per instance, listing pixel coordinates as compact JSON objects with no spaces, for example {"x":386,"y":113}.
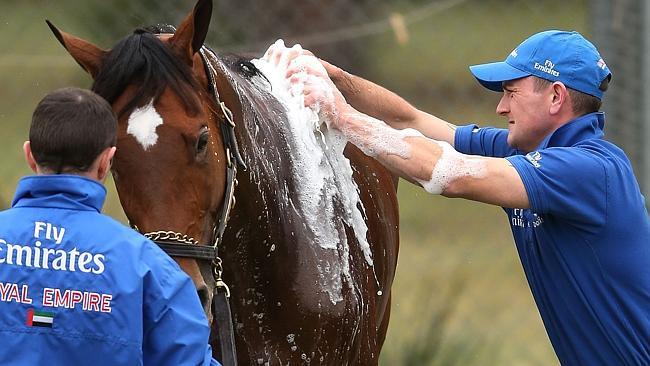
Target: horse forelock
{"x":143,"y":60}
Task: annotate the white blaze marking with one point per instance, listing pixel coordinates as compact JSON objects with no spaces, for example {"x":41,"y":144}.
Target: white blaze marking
{"x":142,"y":125}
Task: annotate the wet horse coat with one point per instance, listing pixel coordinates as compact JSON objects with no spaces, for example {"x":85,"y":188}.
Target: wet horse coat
{"x":293,"y":301}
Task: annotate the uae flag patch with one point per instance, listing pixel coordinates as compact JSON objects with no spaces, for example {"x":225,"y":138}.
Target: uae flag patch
{"x":37,"y":318}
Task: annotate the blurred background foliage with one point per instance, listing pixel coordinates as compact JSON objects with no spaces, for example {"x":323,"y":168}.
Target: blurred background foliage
{"x":460,"y":296}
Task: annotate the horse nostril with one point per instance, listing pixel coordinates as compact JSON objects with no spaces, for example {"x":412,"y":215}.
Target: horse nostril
{"x":204,"y":295}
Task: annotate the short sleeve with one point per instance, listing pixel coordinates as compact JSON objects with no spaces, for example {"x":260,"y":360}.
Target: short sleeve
{"x":488,"y":141}
{"x":569,"y":182}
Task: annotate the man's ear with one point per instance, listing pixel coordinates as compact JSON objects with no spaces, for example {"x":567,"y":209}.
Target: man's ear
{"x":105,"y":160}
{"x":27,"y":149}
{"x":559,"y":97}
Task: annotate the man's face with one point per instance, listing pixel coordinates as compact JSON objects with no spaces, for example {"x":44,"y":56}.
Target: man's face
{"x":527,"y":112}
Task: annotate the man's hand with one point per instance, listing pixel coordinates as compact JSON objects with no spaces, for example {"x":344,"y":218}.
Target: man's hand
{"x":308,"y":77}
{"x":280,"y":56}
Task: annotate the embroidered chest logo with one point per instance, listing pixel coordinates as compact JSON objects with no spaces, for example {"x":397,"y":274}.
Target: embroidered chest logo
{"x":525,"y":218}
{"x":534,"y":158}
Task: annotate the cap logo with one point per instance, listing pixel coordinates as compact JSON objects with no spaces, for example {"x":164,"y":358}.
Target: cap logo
{"x":513,"y":53}
{"x":547,"y":68}
{"x":601,"y":63}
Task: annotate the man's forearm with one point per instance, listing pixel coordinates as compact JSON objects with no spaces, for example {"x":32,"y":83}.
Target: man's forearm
{"x":405,"y":152}
{"x":434,"y":164}
{"x":373,"y":100}
{"x":379,"y":102}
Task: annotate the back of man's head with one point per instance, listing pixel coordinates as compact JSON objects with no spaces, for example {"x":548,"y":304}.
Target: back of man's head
{"x":70,"y":128}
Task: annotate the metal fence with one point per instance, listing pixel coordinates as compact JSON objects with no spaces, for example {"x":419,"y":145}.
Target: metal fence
{"x":460,"y":297}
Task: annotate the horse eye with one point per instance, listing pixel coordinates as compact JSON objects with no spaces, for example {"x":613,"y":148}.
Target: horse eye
{"x":202,"y":141}
{"x":248,"y":68}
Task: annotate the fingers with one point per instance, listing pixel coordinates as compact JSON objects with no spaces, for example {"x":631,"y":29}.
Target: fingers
{"x":281,"y":57}
{"x":272,"y":53}
{"x":306,"y":64}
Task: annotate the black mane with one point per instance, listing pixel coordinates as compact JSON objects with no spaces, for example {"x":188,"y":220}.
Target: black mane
{"x":141,"y":59}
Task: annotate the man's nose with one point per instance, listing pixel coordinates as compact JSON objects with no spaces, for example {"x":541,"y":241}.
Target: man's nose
{"x":503,"y":107}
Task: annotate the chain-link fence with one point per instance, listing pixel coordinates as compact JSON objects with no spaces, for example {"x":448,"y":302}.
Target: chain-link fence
{"x":460,"y":296}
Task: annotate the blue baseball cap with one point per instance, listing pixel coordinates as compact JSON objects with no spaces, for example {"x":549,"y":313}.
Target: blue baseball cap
{"x":552,"y":55}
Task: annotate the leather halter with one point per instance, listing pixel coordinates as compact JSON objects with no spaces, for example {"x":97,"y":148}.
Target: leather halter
{"x":181,"y":245}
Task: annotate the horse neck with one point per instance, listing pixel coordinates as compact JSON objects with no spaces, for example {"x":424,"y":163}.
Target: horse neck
{"x":273,"y":245}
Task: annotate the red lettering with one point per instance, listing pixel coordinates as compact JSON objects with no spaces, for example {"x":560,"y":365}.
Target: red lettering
{"x":48,"y":293}
{"x":23,"y":298}
{"x":93,"y":301}
{"x":13,"y":293}
{"x":61,"y":300}
{"x":106,"y":303}
{"x":75,"y":298}
{"x":4,"y":288}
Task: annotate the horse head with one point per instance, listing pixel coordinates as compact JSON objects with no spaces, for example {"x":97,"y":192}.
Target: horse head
{"x":169,"y":136}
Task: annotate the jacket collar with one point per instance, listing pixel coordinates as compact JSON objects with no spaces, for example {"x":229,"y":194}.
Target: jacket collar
{"x":589,"y":126}
{"x":60,"y":191}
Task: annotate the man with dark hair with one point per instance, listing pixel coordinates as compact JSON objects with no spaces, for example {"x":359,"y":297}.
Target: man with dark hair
{"x":67,"y":140}
{"x":577,"y":215}
{"x":76,"y":287}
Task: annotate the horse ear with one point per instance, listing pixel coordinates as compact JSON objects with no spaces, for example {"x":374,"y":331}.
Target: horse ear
{"x":87,"y":55}
{"x":190,"y":36}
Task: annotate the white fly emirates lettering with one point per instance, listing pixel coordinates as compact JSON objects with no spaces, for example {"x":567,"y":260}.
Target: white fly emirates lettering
{"x":38,"y":256}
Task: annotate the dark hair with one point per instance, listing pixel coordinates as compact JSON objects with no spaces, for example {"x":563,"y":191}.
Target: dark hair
{"x":70,"y":128}
{"x":141,"y":59}
{"x":582,"y":103}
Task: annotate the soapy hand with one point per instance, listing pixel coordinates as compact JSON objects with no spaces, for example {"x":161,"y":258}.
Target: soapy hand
{"x":281,"y":56}
{"x":307,"y":76}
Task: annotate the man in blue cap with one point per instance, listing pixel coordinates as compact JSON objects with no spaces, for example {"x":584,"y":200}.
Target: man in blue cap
{"x":76,"y":287}
{"x":577,"y":215}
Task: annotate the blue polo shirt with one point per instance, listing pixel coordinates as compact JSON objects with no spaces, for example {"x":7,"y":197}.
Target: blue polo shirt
{"x":585,"y":242}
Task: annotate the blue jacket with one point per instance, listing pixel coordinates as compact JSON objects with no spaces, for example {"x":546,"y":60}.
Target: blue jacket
{"x":78,"y":288}
{"x":585,"y":242}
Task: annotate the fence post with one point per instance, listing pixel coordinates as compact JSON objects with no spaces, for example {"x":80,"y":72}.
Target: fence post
{"x":620,"y":30}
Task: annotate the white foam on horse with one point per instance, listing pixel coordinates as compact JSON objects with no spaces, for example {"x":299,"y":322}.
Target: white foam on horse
{"x":325,"y":176}
{"x":142,"y":125}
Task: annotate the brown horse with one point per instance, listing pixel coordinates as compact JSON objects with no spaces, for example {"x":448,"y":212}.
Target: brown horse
{"x":293,"y":301}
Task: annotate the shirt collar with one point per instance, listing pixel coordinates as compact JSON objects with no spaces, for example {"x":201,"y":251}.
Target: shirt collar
{"x":60,"y":191}
{"x":589,"y":126}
